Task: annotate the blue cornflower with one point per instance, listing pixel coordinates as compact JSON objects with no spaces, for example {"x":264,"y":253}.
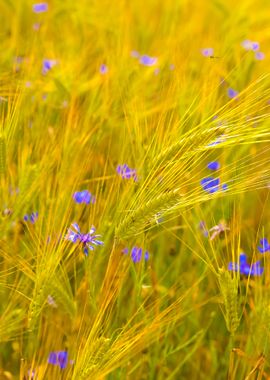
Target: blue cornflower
{"x":103,"y":69}
{"x":47,"y":65}
{"x":232,"y":93}
{"x":126,"y":172}
{"x":137,"y":254}
{"x":87,"y":240}
{"x":59,"y":358}
{"x":214,"y":165}
{"x":243,"y":267}
{"x":148,"y":61}
{"x":207,"y":52}
{"x":31,"y":218}
{"x":202,"y":227}
{"x":40,"y":7}
{"x":259,"y":55}
{"x":210,"y":184}
{"x":224,"y":187}
{"x":255,"y":46}
{"x":145,"y":60}
{"x":250,"y":45}
{"x":83,"y":196}
{"x":265,"y":246}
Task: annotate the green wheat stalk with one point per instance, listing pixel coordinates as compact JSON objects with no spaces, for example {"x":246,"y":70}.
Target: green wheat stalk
{"x":139,"y":218}
{"x":3,"y":156}
{"x":229,"y":291}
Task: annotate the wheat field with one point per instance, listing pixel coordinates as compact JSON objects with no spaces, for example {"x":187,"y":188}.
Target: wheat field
{"x":134,"y":183}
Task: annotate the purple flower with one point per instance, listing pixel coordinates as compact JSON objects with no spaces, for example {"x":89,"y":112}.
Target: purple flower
{"x":83,"y":196}
{"x":203,"y":228}
{"x":126,"y":172}
{"x":146,"y":255}
{"x":232,"y":93}
{"x":224,"y":187}
{"x":148,"y":61}
{"x":58,"y":358}
{"x":137,"y":254}
{"x":214,"y":165}
{"x":47,"y":65}
{"x":88,"y":240}
{"x":40,"y":7}
{"x":265,"y":246}
{"x":210,"y":184}
{"x":207,"y":52}
{"x":243,"y":267}
{"x":255,"y":46}
{"x":62,"y":359}
{"x":145,"y":60}
{"x":250,"y":45}
{"x":259,"y":55}
{"x":31,"y":218}
{"x":246,"y":44}
{"x":52,"y":358}
{"x":103,"y":69}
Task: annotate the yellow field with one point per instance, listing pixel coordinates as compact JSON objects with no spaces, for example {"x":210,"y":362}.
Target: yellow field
{"x":149,"y":120}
